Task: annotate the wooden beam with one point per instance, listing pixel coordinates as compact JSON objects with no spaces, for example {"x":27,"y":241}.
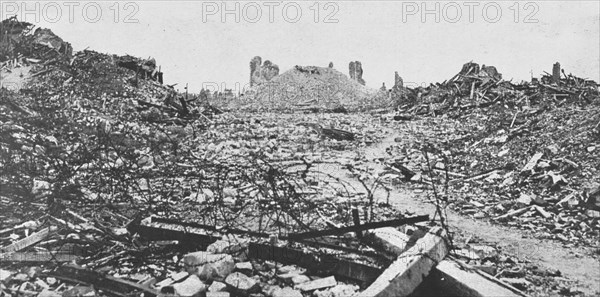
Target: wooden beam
{"x":164,"y":233}
{"x":100,"y":281}
{"x":326,"y":264}
{"x":403,"y":276}
{"x":363,"y":227}
{"x":156,"y":233}
{"x":457,"y":280}
{"x":28,"y":241}
{"x":37,"y":257}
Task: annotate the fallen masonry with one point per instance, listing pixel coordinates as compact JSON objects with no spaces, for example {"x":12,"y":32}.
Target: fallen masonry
{"x":114,"y":183}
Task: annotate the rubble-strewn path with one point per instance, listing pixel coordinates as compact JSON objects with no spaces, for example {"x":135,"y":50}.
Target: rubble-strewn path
{"x":575,"y":263}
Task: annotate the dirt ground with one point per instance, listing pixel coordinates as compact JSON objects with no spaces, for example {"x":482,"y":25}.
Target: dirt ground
{"x":579,"y":264}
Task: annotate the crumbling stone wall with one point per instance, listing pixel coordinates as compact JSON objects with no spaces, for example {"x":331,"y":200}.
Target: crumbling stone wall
{"x":254,"y":65}
{"x":262,"y":73}
{"x":398,"y":82}
{"x":399,"y":93}
{"x":356,"y":72}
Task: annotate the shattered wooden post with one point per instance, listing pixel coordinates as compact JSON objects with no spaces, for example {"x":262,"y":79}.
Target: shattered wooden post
{"x":356,"y":218}
{"x":404,"y":275}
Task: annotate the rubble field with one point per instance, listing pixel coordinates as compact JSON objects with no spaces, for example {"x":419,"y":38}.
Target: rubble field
{"x":114,"y":184}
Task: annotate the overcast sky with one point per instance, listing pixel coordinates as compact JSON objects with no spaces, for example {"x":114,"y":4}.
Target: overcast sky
{"x":195,"y":43}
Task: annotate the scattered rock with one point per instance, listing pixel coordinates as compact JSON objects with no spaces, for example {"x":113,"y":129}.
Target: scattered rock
{"x":217,"y":294}
{"x":291,"y":269}
{"x":191,"y":286}
{"x":317,"y":284}
{"x":5,"y":275}
{"x":218,"y":269}
{"x":217,"y":286}
{"x":300,"y":279}
{"x":49,"y":293}
{"x":286,"y":292}
{"x":208,"y":265}
{"x":79,"y":291}
{"x":244,"y":267}
{"x":341,"y":290}
{"x":525,"y":199}
{"x":242,"y":284}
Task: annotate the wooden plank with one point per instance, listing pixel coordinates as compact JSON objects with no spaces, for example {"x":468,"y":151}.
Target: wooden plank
{"x":326,"y":264}
{"x":363,"y":227}
{"x":155,"y":233}
{"x":28,"y":241}
{"x":159,"y":233}
{"x":403,"y":276}
{"x":455,"y":280}
{"x":100,"y":281}
{"x":37,"y":257}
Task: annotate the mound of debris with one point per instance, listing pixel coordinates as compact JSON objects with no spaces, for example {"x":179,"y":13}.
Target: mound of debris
{"x":528,"y":159}
{"x":316,"y":88}
{"x":476,"y":86}
{"x":16,"y":42}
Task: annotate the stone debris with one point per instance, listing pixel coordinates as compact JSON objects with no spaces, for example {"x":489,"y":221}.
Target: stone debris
{"x":242,"y":284}
{"x":217,"y":286}
{"x":218,"y":294}
{"x":286,"y":292}
{"x":98,"y":152}
{"x":317,"y":284}
{"x":191,"y":286}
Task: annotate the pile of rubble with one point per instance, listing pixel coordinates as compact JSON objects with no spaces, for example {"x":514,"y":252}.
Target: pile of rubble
{"x":535,"y":168}
{"x":526,"y":157}
{"x":310,"y":88}
{"x":476,"y":86}
{"x":103,"y":254}
{"x":16,"y":42}
{"x":143,"y":190}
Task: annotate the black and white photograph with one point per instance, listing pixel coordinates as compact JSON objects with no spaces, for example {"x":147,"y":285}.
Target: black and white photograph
{"x":307,"y":148}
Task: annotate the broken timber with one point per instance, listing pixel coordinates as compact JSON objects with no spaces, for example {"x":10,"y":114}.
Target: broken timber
{"x":328,"y":264}
{"x":456,"y":280}
{"x":157,"y":233}
{"x":322,"y":262}
{"x":209,"y":234}
{"x":405,"y":274}
{"x":363,"y":227}
{"x":449,"y":276}
{"x":28,"y":241}
{"x":292,"y":237}
{"x":100,"y":281}
{"x":38,"y":256}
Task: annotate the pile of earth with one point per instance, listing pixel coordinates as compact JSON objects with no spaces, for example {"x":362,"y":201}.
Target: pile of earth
{"x":318,"y":88}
